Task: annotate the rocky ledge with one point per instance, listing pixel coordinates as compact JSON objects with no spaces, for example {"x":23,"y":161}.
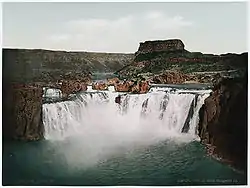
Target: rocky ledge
{"x":141,"y":84}
{"x":223,"y":122}
{"x":22,"y":112}
{"x":160,"y":46}
{"x":131,"y":86}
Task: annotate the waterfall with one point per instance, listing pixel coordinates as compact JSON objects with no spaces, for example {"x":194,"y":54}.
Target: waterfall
{"x":51,"y":92}
{"x":162,"y":112}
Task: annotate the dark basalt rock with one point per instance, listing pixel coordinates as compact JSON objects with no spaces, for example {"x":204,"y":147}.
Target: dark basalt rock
{"x":22,"y":112}
{"x":160,"y":46}
{"x":223,"y":122}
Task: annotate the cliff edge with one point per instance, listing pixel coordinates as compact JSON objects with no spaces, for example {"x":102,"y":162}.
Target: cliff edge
{"x":223,"y":122}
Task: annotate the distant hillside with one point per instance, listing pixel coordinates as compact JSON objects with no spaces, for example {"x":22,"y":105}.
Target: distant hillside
{"x":25,"y":65}
{"x":158,"y":56}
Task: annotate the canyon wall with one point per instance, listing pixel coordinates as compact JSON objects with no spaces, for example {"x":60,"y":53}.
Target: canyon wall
{"x":22,"y":112}
{"x":223,"y":122}
{"x":170,"y":55}
{"x":25,"y":65}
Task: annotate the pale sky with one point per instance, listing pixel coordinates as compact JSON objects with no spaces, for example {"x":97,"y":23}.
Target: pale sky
{"x":120,"y":27}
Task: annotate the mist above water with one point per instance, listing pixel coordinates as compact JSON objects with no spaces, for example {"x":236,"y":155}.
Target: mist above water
{"x":93,"y":128}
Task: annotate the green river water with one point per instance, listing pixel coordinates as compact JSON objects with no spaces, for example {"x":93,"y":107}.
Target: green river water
{"x":163,"y":163}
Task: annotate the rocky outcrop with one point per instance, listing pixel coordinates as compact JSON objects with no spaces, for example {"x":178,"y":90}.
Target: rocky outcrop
{"x":223,"y":122}
{"x":22,"y":112}
{"x":124,"y":86}
{"x":132,"y":86}
{"x":140,"y":87}
{"x":112,"y":81}
{"x":99,"y":86}
{"x":170,"y":55}
{"x":72,"y":86}
{"x":160,"y":46}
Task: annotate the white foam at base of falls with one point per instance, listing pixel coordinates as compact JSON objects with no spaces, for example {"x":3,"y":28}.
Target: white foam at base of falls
{"x":92,"y":127}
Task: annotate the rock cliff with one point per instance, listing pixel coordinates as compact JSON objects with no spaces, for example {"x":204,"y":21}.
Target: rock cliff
{"x":223,"y":122}
{"x":22,"y":112}
{"x":158,"y":56}
{"x":160,"y":46}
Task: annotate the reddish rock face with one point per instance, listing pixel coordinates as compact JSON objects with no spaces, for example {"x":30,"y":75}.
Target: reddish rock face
{"x":171,"y":78}
{"x":123,"y":86}
{"x":72,"y":86}
{"x":113,"y":81}
{"x":144,"y":87}
{"x":141,"y":87}
{"x":99,"y":86}
{"x":130,"y":86}
{"x":22,"y":110}
{"x":223,"y":122}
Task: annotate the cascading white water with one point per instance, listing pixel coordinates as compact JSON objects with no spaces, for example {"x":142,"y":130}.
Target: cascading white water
{"x":161,"y":110}
{"x":93,"y":127}
{"x":111,"y":88}
{"x":89,"y":88}
{"x":51,"y":92}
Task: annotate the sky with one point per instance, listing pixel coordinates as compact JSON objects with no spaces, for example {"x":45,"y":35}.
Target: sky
{"x":119,"y":27}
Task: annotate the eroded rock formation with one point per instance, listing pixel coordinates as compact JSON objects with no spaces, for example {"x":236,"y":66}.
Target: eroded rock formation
{"x":223,"y":122}
{"x":160,"y":46}
{"x":170,"y":55}
{"x":131,"y":86}
{"x":140,"y":87}
{"x":72,"y":86}
{"x":113,"y":81}
{"x":22,"y":112}
{"x":99,"y":86}
{"x":123,"y":86}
